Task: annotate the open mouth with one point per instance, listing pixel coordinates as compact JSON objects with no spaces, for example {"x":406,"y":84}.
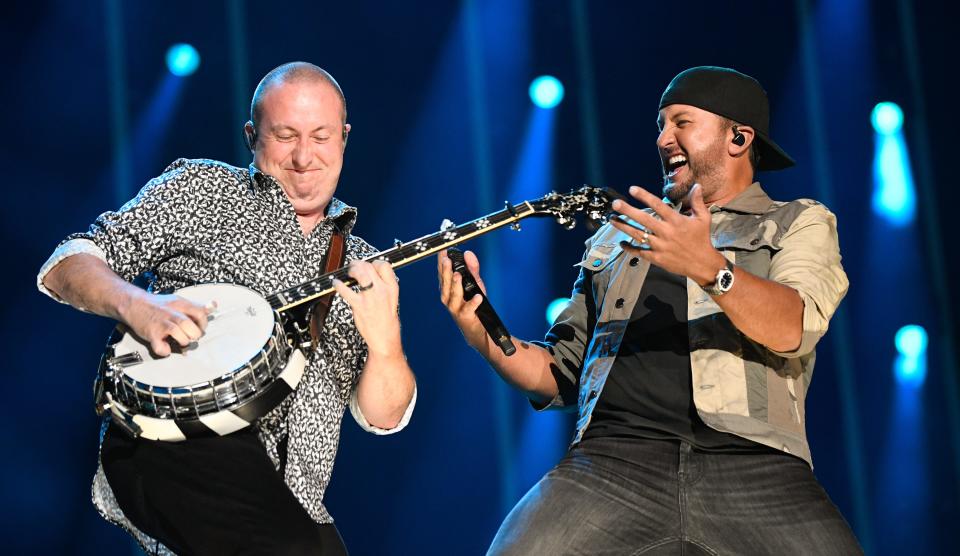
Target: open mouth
{"x":674,"y":165}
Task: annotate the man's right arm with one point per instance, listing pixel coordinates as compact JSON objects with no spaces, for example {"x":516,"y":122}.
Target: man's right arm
{"x":87,"y":282}
{"x":529,"y":369}
{"x":93,"y":271}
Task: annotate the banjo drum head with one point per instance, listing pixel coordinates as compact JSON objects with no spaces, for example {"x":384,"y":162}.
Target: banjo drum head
{"x":239,"y":326}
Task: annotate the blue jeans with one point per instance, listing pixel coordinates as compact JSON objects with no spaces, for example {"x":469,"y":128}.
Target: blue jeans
{"x":655,"y":497}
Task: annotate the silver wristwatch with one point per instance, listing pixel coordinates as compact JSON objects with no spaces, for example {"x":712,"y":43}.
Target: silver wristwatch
{"x":723,"y":281}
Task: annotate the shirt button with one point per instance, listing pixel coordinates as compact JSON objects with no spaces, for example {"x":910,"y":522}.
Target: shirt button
{"x":754,"y":241}
{"x":635,"y":261}
{"x":593,"y":394}
{"x":619,"y":303}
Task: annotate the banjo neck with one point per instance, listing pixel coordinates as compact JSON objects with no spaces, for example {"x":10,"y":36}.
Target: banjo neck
{"x":403,"y":254}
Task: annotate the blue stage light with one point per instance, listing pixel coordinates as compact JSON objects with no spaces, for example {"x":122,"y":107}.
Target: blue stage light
{"x":555,"y":308}
{"x":894,"y":195}
{"x":911,"y":340}
{"x":910,"y":367}
{"x":887,"y":118}
{"x":546,"y":91}
{"x":910,"y":371}
{"x":182,"y":59}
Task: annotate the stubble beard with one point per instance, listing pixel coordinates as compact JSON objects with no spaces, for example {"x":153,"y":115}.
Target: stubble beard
{"x":676,"y":191}
{"x":704,"y":168}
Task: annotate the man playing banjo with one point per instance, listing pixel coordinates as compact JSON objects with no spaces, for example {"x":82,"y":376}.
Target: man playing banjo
{"x":268,"y":227}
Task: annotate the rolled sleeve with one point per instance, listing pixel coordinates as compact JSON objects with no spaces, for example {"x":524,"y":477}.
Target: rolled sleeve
{"x":67,"y":249}
{"x":809,"y":262}
{"x":365,"y":425}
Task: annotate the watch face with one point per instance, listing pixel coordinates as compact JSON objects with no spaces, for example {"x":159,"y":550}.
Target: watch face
{"x":725,"y":281}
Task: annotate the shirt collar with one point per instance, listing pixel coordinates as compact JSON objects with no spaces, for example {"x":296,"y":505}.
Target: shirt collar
{"x":338,"y":212}
{"x":752,"y":200}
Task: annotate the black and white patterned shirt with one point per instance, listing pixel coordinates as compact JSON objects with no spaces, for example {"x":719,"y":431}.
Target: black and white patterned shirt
{"x":203,"y":221}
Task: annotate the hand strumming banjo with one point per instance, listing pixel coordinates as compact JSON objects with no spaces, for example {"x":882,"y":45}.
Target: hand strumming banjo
{"x":251,"y":355}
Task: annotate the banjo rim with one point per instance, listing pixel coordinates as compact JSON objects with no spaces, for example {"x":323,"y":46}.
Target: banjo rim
{"x":231,"y":391}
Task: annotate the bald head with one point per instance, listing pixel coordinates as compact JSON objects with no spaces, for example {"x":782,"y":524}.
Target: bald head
{"x":293,"y":72}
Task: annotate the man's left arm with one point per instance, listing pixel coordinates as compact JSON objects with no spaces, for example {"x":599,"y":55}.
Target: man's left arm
{"x":789,"y":310}
{"x":808,"y":263}
{"x":766,"y":311}
{"x":385,"y":393}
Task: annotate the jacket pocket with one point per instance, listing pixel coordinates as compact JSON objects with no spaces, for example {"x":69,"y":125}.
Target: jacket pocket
{"x":751,"y":251}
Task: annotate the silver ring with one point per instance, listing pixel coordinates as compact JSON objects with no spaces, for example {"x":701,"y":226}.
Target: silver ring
{"x":364,"y":288}
{"x":645,"y":237}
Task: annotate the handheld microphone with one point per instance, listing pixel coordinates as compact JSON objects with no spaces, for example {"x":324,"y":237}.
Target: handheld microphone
{"x":488,"y":317}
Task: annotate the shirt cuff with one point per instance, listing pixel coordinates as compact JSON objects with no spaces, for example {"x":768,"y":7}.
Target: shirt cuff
{"x":556,"y":403}
{"x":365,"y":425}
{"x":67,"y":249}
{"x":814,"y":327}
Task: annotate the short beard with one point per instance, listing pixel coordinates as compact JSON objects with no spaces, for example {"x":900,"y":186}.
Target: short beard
{"x":676,"y":192}
{"x":707,"y":167}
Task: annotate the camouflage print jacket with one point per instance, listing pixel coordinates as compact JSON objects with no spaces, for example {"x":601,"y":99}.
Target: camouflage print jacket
{"x":739,"y":385}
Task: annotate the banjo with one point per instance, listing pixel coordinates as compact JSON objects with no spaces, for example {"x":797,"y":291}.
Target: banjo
{"x":252,"y":353}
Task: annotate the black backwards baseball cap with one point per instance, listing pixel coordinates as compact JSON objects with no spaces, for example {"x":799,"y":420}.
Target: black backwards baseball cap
{"x":733,"y":95}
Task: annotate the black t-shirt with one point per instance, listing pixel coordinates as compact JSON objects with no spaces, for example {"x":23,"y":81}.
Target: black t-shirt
{"x":649,"y":392}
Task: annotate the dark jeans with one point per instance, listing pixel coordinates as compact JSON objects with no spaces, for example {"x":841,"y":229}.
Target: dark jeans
{"x":655,"y":497}
{"x":212,"y":496}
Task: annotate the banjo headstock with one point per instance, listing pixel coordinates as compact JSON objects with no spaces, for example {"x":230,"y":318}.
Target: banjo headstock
{"x":592,"y":202}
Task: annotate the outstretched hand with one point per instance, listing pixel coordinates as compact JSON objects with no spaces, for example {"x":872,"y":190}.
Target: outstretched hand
{"x":676,"y":242}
